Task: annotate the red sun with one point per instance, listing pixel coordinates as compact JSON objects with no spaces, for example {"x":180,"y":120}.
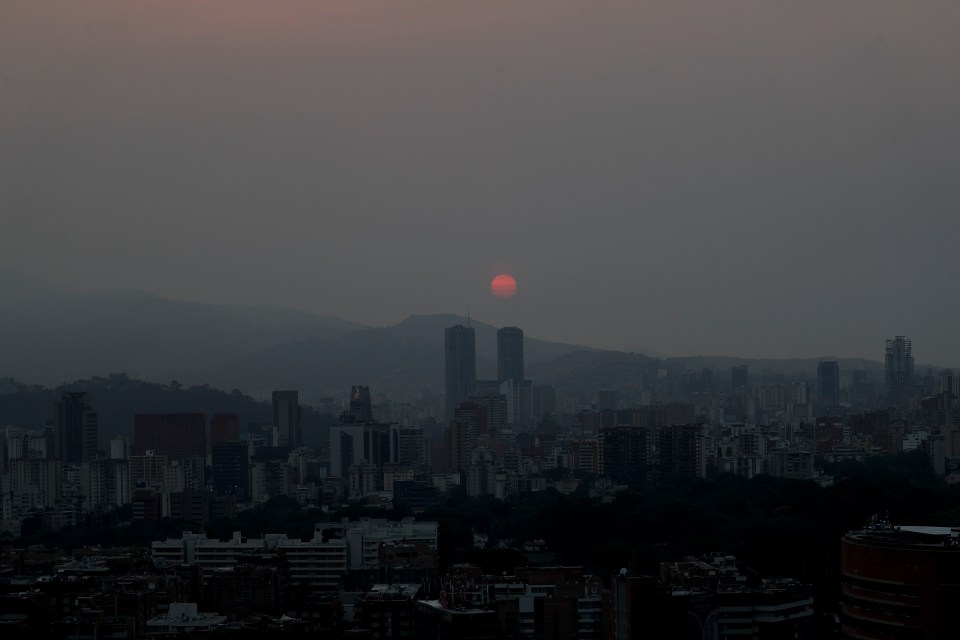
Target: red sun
{"x":503,"y":286}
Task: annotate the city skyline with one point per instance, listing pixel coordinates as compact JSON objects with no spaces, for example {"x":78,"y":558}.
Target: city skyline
{"x":479,"y":320}
{"x":23,"y":301}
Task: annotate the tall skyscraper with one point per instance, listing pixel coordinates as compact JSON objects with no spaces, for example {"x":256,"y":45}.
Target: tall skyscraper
{"x":899,"y":372}
{"x":739,"y":377}
{"x":460,"y":366}
{"x":361,"y":409}
{"x":75,"y":438}
{"x":286,"y":417}
{"x":510,"y":354}
{"x":510,"y":370}
{"x":828,"y":385}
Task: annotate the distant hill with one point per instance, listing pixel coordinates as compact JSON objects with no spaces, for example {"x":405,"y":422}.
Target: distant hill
{"x":593,"y":370}
{"x":49,"y":337}
{"x":404,"y":358}
{"x":117,"y":398}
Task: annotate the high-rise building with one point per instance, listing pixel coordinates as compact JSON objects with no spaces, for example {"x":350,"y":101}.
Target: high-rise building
{"x":359,"y":443}
{"x":680,"y":451}
{"x":173,"y":435}
{"x":225,"y":427}
{"x":412,"y":447}
{"x":510,"y":354}
{"x":949,"y":383}
{"x":470,"y":419}
{"x":510,"y":370}
{"x":286,"y":417}
{"x":518,"y":396}
{"x":495,"y":409}
{"x":75,"y":438}
{"x":899,"y":372}
{"x":105,"y":484}
{"x":460,"y":366}
{"x":828,"y":385}
{"x":231,"y":469}
{"x":739,"y":377}
{"x":608,"y":400}
{"x":623,"y":453}
{"x":119,"y":448}
{"x":361,"y":409}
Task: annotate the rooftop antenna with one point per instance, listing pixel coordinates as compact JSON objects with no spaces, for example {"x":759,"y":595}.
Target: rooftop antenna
{"x":468,"y":315}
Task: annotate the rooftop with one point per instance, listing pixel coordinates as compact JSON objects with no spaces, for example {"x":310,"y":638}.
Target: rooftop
{"x":918,"y":535}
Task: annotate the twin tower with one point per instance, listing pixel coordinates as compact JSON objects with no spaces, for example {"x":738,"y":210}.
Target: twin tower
{"x":460,"y":370}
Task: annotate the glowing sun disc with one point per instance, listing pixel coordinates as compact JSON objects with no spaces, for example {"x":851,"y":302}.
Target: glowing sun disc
{"x":503,"y":286}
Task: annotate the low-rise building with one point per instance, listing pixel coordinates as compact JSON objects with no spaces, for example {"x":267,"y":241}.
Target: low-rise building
{"x":184,"y":618}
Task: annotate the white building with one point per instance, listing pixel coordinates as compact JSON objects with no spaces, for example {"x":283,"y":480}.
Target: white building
{"x":183,"y":618}
{"x":319,"y":562}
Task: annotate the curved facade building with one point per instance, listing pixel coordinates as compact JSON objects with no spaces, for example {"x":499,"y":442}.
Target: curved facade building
{"x":901,"y":582}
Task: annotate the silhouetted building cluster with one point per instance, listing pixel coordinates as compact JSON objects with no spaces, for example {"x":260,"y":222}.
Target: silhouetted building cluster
{"x":494,"y":437}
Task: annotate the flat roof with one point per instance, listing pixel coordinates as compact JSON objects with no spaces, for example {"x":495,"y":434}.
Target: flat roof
{"x":930,"y":531}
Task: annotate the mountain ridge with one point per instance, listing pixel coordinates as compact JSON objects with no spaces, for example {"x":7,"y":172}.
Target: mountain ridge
{"x":54,"y":337}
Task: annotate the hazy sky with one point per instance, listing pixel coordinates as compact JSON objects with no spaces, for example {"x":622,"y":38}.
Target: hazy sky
{"x":758,"y":178}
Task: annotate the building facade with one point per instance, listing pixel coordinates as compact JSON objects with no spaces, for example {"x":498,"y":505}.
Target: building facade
{"x":286,"y":417}
{"x":828,"y":385}
{"x":75,"y":438}
{"x":900,"y":582}
{"x":460,"y":366}
{"x":898,"y":367}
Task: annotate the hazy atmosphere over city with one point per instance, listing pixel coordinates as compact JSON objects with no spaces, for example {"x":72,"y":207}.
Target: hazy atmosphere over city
{"x":756,"y":178}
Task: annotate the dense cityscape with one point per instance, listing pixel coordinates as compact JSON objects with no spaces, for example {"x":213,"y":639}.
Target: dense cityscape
{"x":498,"y":508}
{"x":479,"y":320}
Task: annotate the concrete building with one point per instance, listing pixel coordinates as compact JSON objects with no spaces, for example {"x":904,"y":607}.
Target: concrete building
{"x":387,"y":611}
{"x":460,"y":367}
{"x":900,"y":581}
{"x":433,"y":620}
{"x":120,"y":448}
{"x":828,"y":386}
{"x":412,"y":451}
{"x":224,"y":427}
{"x":35,"y":483}
{"x":286,"y":417}
{"x":898,"y":369}
{"x":317,"y":563}
{"x":362,"y":443}
{"x":105,"y":484}
{"x":231,"y":469}
{"x":680,"y":451}
{"x":76,"y":430}
{"x":148,"y":470}
{"x":361,"y":408}
{"x":183,"y":618}
{"x":775,"y":609}
{"x":174,"y":435}
{"x":739,"y":377}
{"x":510,"y":370}
{"x":643,"y":607}
{"x":790,"y":463}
